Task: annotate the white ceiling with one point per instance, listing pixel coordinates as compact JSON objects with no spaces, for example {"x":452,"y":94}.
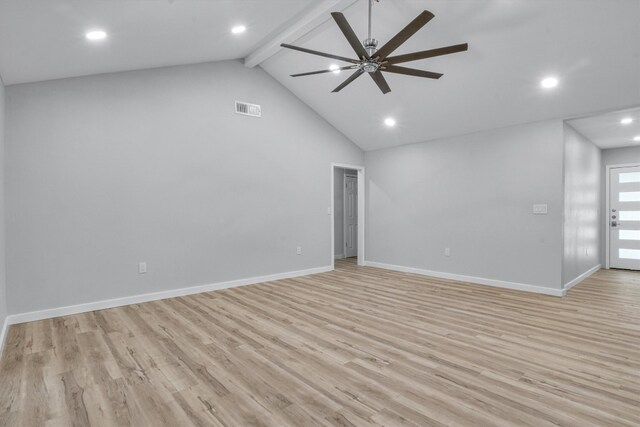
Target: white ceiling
{"x":606,"y":130}
{"x":591,"y":45}
{"x":44,"y":39}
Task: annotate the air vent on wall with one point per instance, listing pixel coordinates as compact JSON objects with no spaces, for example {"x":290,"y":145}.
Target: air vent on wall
{"x":247,"y":109}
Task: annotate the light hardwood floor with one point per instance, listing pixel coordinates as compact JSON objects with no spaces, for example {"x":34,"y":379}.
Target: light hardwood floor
{"x":345,"y":262}
{"x":357,"y":346}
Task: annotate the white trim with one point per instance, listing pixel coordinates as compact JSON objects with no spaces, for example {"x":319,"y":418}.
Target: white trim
{"x":470,"y":279}
{"x":3,"y":334}
{"x":581,"y":277}
{"x":607,"y":186}
{"x":344,"y":210}
{"x":361,"y":211}
{"x":137,"y":299}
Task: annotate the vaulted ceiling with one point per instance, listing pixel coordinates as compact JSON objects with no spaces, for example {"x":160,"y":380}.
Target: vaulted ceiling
{"x":591,"y":46}
{"x":45,"y":39}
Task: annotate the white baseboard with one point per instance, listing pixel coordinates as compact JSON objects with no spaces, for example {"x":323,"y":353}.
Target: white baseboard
{"x":3,"y":334}
{"x":580,"y":278}
{"x":137,"y":299}
{"x":470,"y":279}
{"x":339,"y":256}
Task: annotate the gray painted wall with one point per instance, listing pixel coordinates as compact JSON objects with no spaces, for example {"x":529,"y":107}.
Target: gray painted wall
{"x":3,"y":283}
{"x":473,"y":194}
{"x":106,"y":171}
{"x":621,"y":156}
{"x":338,"y":209}
{"x":614,"y":156}
{"x":582,"y":199}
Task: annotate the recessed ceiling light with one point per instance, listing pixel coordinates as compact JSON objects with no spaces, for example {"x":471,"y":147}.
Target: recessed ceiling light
{"x":549,"y":82}
{"x":334,"y":68}
{"x":238,"y":29}
{"x":636,"y":138}
{"x":626,"y":121}
{"x":96,"y":35}
{"x":389,"y":121}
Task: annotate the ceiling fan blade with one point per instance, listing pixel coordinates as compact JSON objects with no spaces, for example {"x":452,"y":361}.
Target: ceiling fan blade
{"x":351,"y":78}
{"x":410,"y":72}
{"x":350,"y":35}
{"x":350,"y":67}
{"x":315,"y":52}
{"x":380,"y":81}
{"x":404,"y":34}
{"x":428,"y":53}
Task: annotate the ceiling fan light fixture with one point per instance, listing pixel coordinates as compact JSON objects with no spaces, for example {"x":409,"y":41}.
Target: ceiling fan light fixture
{"x":370,"y":66}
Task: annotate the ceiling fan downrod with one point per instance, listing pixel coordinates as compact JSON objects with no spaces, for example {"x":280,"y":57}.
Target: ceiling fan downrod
{"x":370,"y":44}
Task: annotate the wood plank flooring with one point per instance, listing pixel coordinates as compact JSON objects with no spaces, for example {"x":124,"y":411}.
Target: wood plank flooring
{"x":345,"y":262}
{"x":355,"y":347}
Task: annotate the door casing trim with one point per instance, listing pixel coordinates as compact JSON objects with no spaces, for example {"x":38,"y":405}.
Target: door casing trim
{"x":607,"y":190}
{"x":344,"y":217}
{"x":361,"y":211}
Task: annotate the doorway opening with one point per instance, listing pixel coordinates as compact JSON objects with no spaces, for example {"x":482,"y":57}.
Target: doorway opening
{"x":623,"y":217}
{"x":347,"y":225}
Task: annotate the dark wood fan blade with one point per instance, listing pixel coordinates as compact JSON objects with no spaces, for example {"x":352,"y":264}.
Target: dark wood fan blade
{"x":380,"y":81}
{"x":315,"y":52}
{"x":404,"y":34}
{"x":410,"y":72}
{"x":428,"y":53}
{"x":350,"y":35}
{"x":351,"y":78}
{"x":350,"y":67}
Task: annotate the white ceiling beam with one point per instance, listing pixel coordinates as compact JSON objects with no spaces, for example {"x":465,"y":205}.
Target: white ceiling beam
{"x":312,"y":18}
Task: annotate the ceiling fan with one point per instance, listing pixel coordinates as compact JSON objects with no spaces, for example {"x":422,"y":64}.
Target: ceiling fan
{"x":374,"y":61}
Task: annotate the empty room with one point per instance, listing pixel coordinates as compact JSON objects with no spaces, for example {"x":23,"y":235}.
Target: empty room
{"x":320,"y":213}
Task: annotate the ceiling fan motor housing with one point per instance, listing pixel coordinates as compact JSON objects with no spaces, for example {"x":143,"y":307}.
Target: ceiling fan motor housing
{"x":371,"y":46}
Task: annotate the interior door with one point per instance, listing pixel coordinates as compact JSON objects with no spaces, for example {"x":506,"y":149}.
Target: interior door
{"x":624,"y":218}
{"x":350,"y":216}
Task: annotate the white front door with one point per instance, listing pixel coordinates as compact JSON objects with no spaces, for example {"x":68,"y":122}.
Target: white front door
{"x":624,"y":218}
{"x":350,"y":216}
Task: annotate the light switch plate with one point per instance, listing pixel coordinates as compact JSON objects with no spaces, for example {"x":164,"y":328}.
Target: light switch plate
{"x":540,"y":209}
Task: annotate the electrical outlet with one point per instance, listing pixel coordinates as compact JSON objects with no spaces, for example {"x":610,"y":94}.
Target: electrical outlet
{"x":447,"y":251}
{"x":299,"y":250}
{"x":142,"y":267}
